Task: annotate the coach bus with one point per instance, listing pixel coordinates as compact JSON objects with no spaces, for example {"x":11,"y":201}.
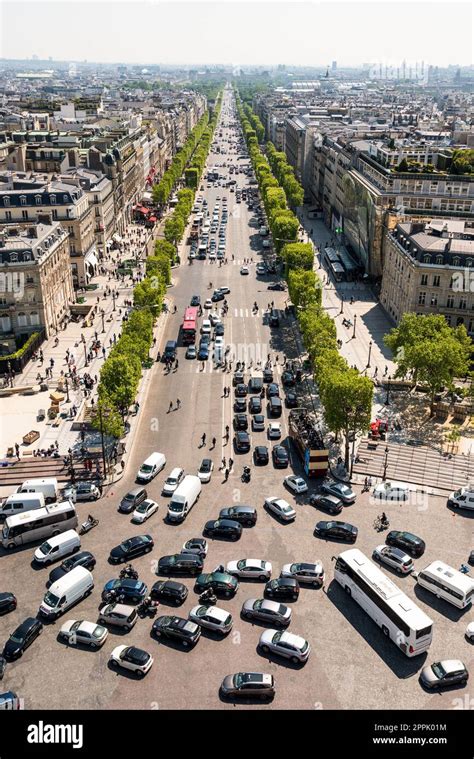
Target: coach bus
{"x":394,"y":612}
{"x":189,"y":327}
{"x":39,"y":524}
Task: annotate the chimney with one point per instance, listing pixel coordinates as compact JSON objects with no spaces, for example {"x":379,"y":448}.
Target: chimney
{"x":33,"y":232}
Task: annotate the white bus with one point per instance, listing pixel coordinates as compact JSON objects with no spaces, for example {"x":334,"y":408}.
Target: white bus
{"x":38,"y":524}
{"x":448,"y":583}
{"x":394,"y":612}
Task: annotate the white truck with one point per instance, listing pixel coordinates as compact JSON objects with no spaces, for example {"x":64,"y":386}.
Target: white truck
{"x":184,"y":498}
{"x":462,"y":498}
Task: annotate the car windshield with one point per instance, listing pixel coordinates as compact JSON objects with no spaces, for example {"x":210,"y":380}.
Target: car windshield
{"x":175,"y":506}
{"x":51,"y":600}
{"x":277,"y":636}
{"x":147,"y":468}
{"x":45,"y":548}
{"x":143,"y":507}
{"x":438,"y":669}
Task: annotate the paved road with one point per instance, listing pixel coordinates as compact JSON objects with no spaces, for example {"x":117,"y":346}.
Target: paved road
{"x":351,"y":666}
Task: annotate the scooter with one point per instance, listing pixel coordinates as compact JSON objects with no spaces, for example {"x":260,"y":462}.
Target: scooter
{"x":87,"y":526}
{"x":128,"y":573}
{"x":147,"y":606}
{"x":208,"y":598}
{"x":246,"y":474}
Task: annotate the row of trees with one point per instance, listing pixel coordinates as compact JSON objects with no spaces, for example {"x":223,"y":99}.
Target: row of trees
{"x":286,"y":176}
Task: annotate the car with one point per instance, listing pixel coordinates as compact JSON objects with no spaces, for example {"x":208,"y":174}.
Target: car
{"x":173,"y":480}
{"x":191,"y":352}
{"x":212,"y":618}
{"x":340,"y":490}
{"x":205,"y":470}
{"x":218,"y":296}
{"x":206,"y":327}
{"x":328,"y":503}
{"x":208,"y":303}
{"x":335,"y":530}
{"x":180,"y":564}
{"x":82,"y":491}
{"x":219,"y":342}
{"x":267,"y":375}
{"x":304,"y":572}
{"x":251,"y":569}
{"x":291,"y":399}
{"x":272,"y":390}
{"x":470,"y":632}
{"x":184,"y":631}
{"x":131,"y":548}
{"x":241,"y":390}
{"x":280,"y":508}
{"x":22,"y":638}
{"x":444,"y":674}
{"x":392,"y":491}
{"x":244,"y":515}
{"x":205,"y":340}
{"x":118,"y":615}
{"x":80,"y":631}
{"x":264,"y":610}
{"x":82,"y":559}
{"x":8,"y":602}
{"x":203,"y":353}
{"x":225,"y":290}
{"x":238,"y":378}
{"x":412,"y":544}
{"x":197,"y":546}
{"x":240,"y":405}
{"x":255,"y":384}
{"x":260,"y":454}
{"x":144,"y":511}
{"x":394,"y":558}
{"x":223,"y":528}
{"x":295,"y":484}
{"x":285,"y":644}
{"x":261,"y":269}
{"x":128,"y":589}
{"x":244,"y":270}
{"x":280,"y":457}
{"x":220,"y":583}
{"x":255,"y":405}
{"x":219,"y":329}
{"x":258,"y":423}
{"x":285,"y":588}
{"x":248,"y":685}
{"x":277,"y":286}
{"x":129,"y":657}
{"x":242,"y":441}
{"x":195,"y":300}
{"x":288,"y":379}
{"x":240,"y":422}
{"x":169,"y":591}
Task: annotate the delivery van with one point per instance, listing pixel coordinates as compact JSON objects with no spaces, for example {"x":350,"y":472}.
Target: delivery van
{"x":462,"y":498}
{"x":20,"y":502}
{"x":47,"y":485}
{"x":184,"y":498}
{"x":150,"y":468}
{"x":72,"y":587}
{"x":57,"y":546}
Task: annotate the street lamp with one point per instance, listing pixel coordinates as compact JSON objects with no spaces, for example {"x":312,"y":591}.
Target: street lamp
{"x":102,"y":313}
{"x":387,"y":399}
{"x":370,"y":351}
{"x":67,"y":390}
{"x":342,"y":305}
{"x":85,"y":355}
{"x":355,"y":322}
{"x":385,"y":464}
{"x":113,"y":299}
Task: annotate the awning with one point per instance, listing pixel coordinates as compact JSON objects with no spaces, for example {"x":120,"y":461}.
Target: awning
{"x":91,"y":259}
{"x":152,"y":219}
{"x":141,"y":209}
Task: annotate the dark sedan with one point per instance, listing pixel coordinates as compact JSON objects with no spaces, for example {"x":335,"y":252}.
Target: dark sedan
{"x":291,"y":399}
{"x":130,"y":590}
{"x":240,"y":405}
{"x":328,"y":503}
{"x":240,"y":390}
{"x":283,"y":588}
{"x":169,"y":592}
{"x":238,"y":378}
{"x":223,"y":528}
{"x":408,"y":542}
{"x":288,"y":379}
{"x":280,"y":456}
{"x":241,"y":422}
{"x":83,"y":559}
{"x":203,"y":353}
{"x":131,"y":548}
{"x":273,"y":390}
{"x":336,"y":531}
{"x":242,"y":442}
{"x":176,"y":628}
{"x":267,"y":375}
{"x":245,"y":515}
{"x":260,"y":455}
{"x":180,"y":564}
{"x":277,"y":286}
{"x":255,"y":405}
{"x":195,"y":300}
{"x":221,"y":583}
{"x":22,"y":638}
{"x":7,"y":602}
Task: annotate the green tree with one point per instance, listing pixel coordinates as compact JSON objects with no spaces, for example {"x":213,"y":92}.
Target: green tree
{"x":284,"y":228}
{"x":174,"y":229}
{"x":150,"y":292}
{"x":106,"y":417}
{"x":119,"y":379}
{"x":347,"y":402}
{"x":298,"y":255}
{"x":403,"y":165}
{"x":304,"y":287}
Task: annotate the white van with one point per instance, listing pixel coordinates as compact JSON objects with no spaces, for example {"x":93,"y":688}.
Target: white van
{"x":72,"y":587}
{"x":448,"y":583}
{"x":57,"y":546}
{"x":150,"y":468}
{"x":20,"y":502}
{"x":46,"y":485}
{"x":462,"y":498}
{"x":184,"y":498}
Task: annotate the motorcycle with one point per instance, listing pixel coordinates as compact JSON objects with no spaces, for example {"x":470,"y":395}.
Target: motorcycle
{"x":128,"y":573}
{"x":87,"y":526}
{"x":208,"y":597}
{"x":147,"y":606}
{"x":246,"y":474}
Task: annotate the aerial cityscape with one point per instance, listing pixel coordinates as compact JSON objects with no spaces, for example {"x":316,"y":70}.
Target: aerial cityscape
{"x":236,"y":372}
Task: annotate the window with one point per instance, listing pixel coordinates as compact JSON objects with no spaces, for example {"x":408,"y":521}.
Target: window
{"x":24,"y":214}
{"x":436,"y":281}
{"x":439,"y":260}
{"x":426,"y":259}
{"x":52,"y":199}
{"x":8,"y":215}
{"x":38,"y":200}
{"x":434,"y":299}
{"x":55,"y":214}
{"x":424,"y":280}
{"x":34,"y":318}
{"x":65,"y":198}
{"x":456,"y":261}
{"x":6,"y":201}
{"x":22,"y":321}
{"x":5,"y":323}
{"x":463,"y":304}
{"x":450,"y":302}
{"x":23,"y":200}
{"x":421,"y":298}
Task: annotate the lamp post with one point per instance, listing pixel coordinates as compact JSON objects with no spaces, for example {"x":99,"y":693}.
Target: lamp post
{"x":355,"y":322}
{"x":387,"y":399}
{"x":370,"y":351}
{"x":67,"y":390}
{"x":342,"y":305}
{"x":113,"y":299}
{"x":385,"y":464}
{"x":102,"y":440}
{"x":85,"y":354}
{"x":102,"y":313}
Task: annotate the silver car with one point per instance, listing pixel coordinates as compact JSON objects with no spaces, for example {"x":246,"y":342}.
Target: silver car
{"x":119,"y":615}
{"x":393,"y":557}
{"x":280,"y":508}
{"x":285,"y":644}
{"x":267,"y":611}
{"x":340,"y":490}
{"x":80,"y":631}
{"x":195,"y":545}
{"x":303,"y":572}
{"x":212,"y":617}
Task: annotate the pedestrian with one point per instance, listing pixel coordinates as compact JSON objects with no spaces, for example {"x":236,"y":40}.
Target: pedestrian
{"x":366,"y":484}
{"x":376,"y":370}
{"x":203,"y":438}
{"x":17,"y":450}
{"x":231,"y":464}
{"x":223,"y":463}
{"x":178,"y":403}
{"x":213,"y":445}
{"x":386,"y":371}
{"x":226,"y":475}
{"x":122,"y":464}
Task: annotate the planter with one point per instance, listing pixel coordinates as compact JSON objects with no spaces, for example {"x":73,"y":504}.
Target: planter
{"x":31,"y":437}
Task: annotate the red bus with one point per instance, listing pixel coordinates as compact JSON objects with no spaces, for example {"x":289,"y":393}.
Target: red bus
{"x":190,"y":325}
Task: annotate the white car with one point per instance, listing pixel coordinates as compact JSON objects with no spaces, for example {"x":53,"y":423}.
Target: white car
{"x":214,"y":318}
{"x":206,"y":327}
{"x":196,"y":545}
{"x":285,"y":644}
{"x":281,"y":509}
{"x":393,"y":557}
{"x":129,"y":657}
{"x":173,"y":480}
{"x":470,"y":632}
{"x":212,"y":617}
{"x":212,"y":253}
{"x":392,"y":491}
{"x":303,"y":572}
{"x":219,"y":342}
{"x":205,"y":470}
{"x":244,"y":270}
{"x":274,"y":431}
{"x":80,"y":631}
{"x":144,"y":511}
{"x":266,"y":243}
{"x":296,"y":484}
{"x":208,"y":303}
{"x":252,"y":569}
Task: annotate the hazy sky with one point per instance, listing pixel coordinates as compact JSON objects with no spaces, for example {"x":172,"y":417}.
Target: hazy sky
{"x":243,"y":32}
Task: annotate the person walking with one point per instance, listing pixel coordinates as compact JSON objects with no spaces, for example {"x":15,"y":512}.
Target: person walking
{"x":178,"y":403}
{"x":170,"y":407}
{"x":213,"y":443}
{"x":223,"y":463}
{"x":203,"y":439}
{"x":226,"y":475}
{"x":231,"y":464}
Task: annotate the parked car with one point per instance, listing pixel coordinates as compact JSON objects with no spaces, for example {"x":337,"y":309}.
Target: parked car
{"x":180,"y":564}
{"x":296,"y":484}
{"x":129,"y":657}
{"x":267,"y":375}
{"x":263,"y":610}
{"x":244,"y":515}
{"x":22,"y":638}
{"x":240,"y":422}
{"x":274,"y":431}
{"x":205,"y":470}
{"x":335,"y":530}
{"x":329,"y":503}
{"x":176,"y":628}
{"x":242,"y":441}
{"x":280,"y":457}
{"x":144,"y":511}
{"x":283,"y":588}
{"x":258,"y":423}
{"x":291,"y":399}
{"x":8,"y":602}
{"x":82,"y":559}
{"x":260,"y":454}
{"x":212,"y":618}
{"x":285,"y":644}
{"x":340,"y":490}
{"x":273,"y":391}
{"x":248,"y":685}
{"x":444,"y":674}
{"x":223,"y":528}
{"x":408,"y":542}
{"x":82,"y":491}
{"x":80,"y":631}
{"x":240,"y":390}
{"x":280,"y":508}
{"x":304,"y":572}
{"x":391,"y":491}
{"x":394,"y":558}
{"x":255,"y":405}
{"x":118,"y":615}
{"x":250,"y":569}
{"x":197,"y":546}
{"x":169,"y":591}
{"x":221,"y":583}
{"x":240,"y":405}
{"x":173,"y":480}
{"x":131,"y":548}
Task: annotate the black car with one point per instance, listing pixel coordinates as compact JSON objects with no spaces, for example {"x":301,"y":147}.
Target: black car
{"x":291,"y":399}
{"x":328,"y":503}
{"x":83,"y":559}
{"x":283,"y":588}
{"x":280,"y":457}
{"x":176,"y":628}
{"x":288,"y":379}
{"x":223,"y":528}
{"x":169,"y":591}
{"x":222,"y":583}
{"x":205,"y":341}
{"x":245,"y":515}
{"x":242,"y":442}
{"x":258,"y":423}
{"x":267,"y":375}
{"x":274,"y":406}
{"x":273,"y":391}
{"x":336,"y":531}
{"x":219,"y":330}
{"x":131,"y":548}
{"x":132,"y":590}
{"x":260,"y":454}
{"x":238,"y":378}
{"x":218,"y":296}
{"x":240,"y":405}
{"x":240,"y":390}
{"x":241,"y":422}
{"x":7,"y":602}
{"x":203,"y":353}
{"x":22,"y":638}
{"x":255,"y":384}
{"x":255,"y":405}
{"x":180,"y":564}
{"x":408,"y":542}
{"x":195,"y":300}
{"x":277,"y":286}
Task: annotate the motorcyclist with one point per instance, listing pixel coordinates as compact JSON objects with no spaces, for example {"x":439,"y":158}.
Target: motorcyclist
{"x":90,"y":518}
{"x":384,"y":518}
